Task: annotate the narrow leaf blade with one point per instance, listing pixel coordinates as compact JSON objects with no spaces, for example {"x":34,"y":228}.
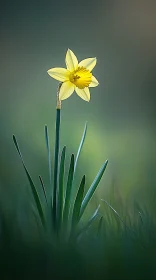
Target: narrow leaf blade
{"x":33,"y":188}
{"x":80,"y":146}
{"x":89,"y":223}
{"x":68,"y":190}
{"x":43,"y":188}
{"x":48,"y":152}
{"x":61,"y":187}
{"x":78,"y":202}
{"x":117,"y":215}
{"x":92,"y":188}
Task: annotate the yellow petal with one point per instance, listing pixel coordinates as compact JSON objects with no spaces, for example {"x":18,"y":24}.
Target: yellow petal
{"x":66,"y":90}
{"x":88,"y":63}
{"x":94,"y":82}
{"x":60,"y":74}
{"x":71,"y":61}
{"x":83,"y":93}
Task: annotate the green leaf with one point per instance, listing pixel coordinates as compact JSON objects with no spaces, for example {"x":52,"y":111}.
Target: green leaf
{"x":68,"y":190}
{"x":93,"y":217}
{"x":80,"y":146}
{"x":43,"y":188}
{"x":78,"y":202}
{"x":117,"y":215}
{"x":33,"y":188}
{"x":48,"y":152}
{"x":113,"y":210}
{"x":92,"y":188}
{"x":61,"y":188}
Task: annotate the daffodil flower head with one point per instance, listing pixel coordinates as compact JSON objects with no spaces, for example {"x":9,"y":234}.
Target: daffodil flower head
{"x":77,"y":76}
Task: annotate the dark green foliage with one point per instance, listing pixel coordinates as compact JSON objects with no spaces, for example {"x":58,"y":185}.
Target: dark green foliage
{"x":43,"y":188}
{"x":33,"y":188}
{"x":112,"y":254}
{"x":92,"y":188}
{"x":48,"y":153}
{"x":89,"y":223}
{"x":66,"y":209}
{"x":78,"y":202}
{"x":61,"y":191}
{"x":67,"y":203}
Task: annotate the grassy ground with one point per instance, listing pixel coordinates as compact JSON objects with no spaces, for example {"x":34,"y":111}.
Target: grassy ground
{"x":111,"y":248}
{"x":49,"y":235}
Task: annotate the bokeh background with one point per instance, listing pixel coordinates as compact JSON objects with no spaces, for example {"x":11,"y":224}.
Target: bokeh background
{"x":121,"y":114}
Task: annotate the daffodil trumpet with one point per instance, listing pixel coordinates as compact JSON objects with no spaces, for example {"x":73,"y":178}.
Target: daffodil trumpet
{"x":76,"y":77}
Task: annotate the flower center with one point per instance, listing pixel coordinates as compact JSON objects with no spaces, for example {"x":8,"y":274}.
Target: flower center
{"x":81,"y":77}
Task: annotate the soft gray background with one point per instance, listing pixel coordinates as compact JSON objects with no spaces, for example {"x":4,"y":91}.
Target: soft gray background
{"x":34,"y":36}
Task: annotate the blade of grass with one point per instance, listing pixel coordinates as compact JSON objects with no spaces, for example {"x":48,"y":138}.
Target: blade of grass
{"x":67,"y":204}
{"x":92,"y":188}
{"x":33,"y":188}
{"x":37,"y":220}
{"x":93,"y":217}
{"x":80,"y":146}
{"x":117,"y":215}
{"x":43,"y":188}
{"x":78,"y":202}
{"x":61,"y":188}
{"x":57,"y":140}
{"x":48,"y":152}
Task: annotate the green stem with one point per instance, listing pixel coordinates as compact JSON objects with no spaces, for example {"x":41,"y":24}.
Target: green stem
{"x":57,"y":140}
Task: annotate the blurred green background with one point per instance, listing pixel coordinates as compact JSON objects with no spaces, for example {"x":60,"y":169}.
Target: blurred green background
{"x":121,"y":114}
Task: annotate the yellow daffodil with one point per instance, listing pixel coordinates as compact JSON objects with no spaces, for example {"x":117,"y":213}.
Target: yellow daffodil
{"x":77,"y":76}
